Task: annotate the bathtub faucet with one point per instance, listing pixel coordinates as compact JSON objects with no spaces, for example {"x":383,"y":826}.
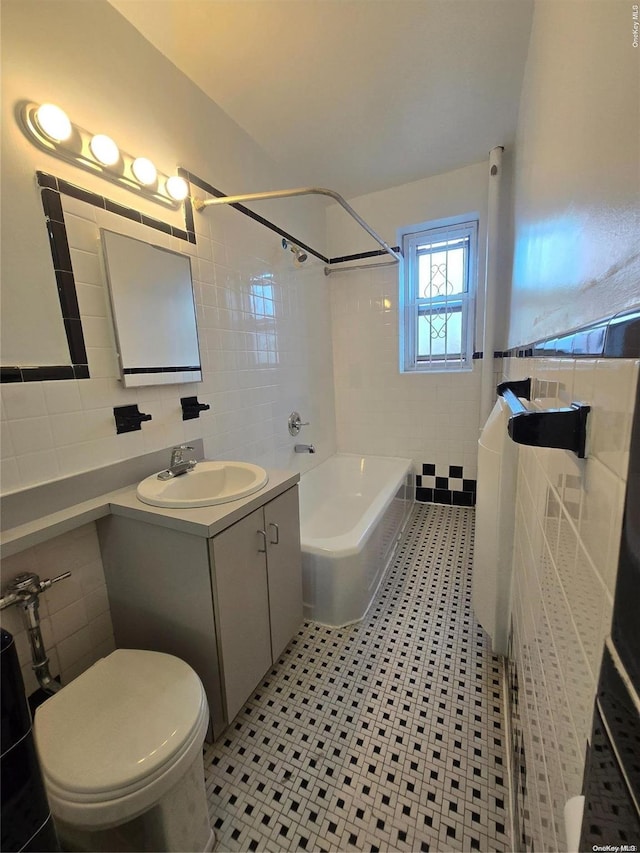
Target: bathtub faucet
{"x":304,"y":448}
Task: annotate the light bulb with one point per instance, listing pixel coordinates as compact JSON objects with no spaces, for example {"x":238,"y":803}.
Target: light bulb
{"x":53,"y":122}
{"x":104,"y":149}
{"x":144,"y":171}
{"x":177,"y":188}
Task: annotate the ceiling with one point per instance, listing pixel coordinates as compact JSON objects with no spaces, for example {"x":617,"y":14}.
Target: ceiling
{"x":355,"y":95}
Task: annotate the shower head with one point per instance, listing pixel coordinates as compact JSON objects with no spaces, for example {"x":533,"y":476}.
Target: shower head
{"x":300,"y":256}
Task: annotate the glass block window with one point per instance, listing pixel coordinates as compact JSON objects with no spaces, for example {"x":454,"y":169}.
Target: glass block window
{"x":437,"y":290}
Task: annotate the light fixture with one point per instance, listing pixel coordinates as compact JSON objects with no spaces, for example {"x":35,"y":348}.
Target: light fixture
{"x":53,"y":122}
{"x":177,"y":188}
{"x":104,"y":149}
{"x":144,"y":171}
{"x":49,"y":127}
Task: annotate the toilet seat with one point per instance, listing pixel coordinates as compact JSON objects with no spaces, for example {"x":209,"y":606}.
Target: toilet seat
{"x":119,"y":736}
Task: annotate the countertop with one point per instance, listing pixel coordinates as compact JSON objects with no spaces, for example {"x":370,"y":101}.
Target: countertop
{"x":199,"y":521}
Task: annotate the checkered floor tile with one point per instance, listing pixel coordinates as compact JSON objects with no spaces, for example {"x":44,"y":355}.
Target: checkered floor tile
{"x":385,"y":735}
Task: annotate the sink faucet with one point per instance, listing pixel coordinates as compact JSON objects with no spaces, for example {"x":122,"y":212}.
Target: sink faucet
{"x":178,"y":464}
{"x":304,"y":448}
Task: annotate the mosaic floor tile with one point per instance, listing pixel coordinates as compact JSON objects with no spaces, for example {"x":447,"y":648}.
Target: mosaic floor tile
{"x":386,"y":735}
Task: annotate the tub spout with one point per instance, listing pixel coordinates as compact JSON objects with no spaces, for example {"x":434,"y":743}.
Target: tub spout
{"x":304,"y":448}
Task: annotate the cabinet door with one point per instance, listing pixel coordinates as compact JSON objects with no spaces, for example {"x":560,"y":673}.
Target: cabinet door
{"x":241,"y":607}
{"x":282,"y":523}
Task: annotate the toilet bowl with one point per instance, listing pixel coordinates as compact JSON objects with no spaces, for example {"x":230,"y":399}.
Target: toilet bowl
{"x":121,"y":754}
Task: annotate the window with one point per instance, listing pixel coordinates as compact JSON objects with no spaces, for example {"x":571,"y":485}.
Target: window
{"x":437,"y":291}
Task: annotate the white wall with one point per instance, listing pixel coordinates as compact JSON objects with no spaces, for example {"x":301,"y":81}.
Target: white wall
{"x":432,"y":418}
{"x":577,"y":179}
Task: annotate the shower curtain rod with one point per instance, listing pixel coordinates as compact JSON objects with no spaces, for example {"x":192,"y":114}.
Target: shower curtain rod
{"x":200,"y":204}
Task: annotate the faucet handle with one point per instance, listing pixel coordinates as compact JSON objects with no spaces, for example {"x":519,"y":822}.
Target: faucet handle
{"x":295,"y":422}
{"x":177,"y":453}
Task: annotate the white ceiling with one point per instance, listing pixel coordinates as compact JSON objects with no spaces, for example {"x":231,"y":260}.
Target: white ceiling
{"x":355,"y":95}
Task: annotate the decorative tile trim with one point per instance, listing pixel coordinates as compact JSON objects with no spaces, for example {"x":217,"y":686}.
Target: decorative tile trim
{"x":614,"y":337}
{"x":51,"y":189}
{"x":180,"y":369}
{"x":451,"y":488}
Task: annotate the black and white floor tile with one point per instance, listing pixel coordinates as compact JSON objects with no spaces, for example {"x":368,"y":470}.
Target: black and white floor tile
{"x":385,"y":735}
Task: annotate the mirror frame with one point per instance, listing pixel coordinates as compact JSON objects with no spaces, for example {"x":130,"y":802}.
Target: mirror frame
{"x":51,"y":189}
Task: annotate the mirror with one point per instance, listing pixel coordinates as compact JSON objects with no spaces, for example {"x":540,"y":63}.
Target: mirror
{"x":154,"y":312}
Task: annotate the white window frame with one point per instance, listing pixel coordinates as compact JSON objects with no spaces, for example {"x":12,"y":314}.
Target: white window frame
{"x":411,"y":304}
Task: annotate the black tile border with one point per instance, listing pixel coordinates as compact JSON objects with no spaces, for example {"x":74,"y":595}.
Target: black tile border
{"x":208,"y":188}
{"x":51,"y":189}
{"x":617,"y":336}
{"x":168,"y":369}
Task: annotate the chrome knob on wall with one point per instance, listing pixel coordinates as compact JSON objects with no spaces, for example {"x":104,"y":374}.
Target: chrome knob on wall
{"x":295,"y":423}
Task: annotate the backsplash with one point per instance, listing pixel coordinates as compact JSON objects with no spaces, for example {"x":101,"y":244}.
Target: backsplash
{"x":75,"y":616}
{"x":568,"y":522}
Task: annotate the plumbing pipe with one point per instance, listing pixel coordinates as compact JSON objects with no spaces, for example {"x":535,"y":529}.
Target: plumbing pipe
{"x":487,"y":382}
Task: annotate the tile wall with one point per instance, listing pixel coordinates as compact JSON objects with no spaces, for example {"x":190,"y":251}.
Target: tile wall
{"x":265,"y":342}
{"x":75,"y":617}
{"x":568,"y":522}
{"x":264,"y":329}
{"x":430,"y":418}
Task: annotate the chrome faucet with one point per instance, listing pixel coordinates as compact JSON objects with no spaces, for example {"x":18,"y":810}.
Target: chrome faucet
{"x":304,"y":448}
{"x":178,"y":464}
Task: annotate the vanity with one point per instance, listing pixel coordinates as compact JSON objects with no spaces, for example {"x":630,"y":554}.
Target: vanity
{"x":218,"y":586}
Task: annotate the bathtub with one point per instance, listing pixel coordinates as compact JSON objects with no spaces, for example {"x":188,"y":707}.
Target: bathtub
{"x":352,"y":512}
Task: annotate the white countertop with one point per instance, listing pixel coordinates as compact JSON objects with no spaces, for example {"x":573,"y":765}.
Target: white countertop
{"x":199,"y":521}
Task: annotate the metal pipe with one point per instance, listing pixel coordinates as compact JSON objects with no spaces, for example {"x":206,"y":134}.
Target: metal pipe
{"x":487,"y":379}
{"x":39,"y":657}
{"x":24,"y":591}
{"x":329,"y":270}
{"x":200,"y":204}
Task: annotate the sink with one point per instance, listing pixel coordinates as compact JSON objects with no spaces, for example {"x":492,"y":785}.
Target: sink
{"x":209,"y":483}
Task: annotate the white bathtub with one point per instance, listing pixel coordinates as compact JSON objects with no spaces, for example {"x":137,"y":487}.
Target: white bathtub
{"x":352,"y":512}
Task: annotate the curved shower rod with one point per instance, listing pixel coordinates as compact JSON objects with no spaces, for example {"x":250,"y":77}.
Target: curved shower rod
{"x":200,"y":204}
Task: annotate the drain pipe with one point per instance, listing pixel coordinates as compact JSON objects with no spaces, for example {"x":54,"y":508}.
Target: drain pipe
{"x":487,"y":386}
{"x":24,"y":591}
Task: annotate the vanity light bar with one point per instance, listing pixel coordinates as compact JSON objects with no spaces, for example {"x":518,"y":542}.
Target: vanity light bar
{"x":49,"y":128}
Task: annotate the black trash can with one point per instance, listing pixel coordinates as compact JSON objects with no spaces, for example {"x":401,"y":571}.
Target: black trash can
{"x":26,"y":820}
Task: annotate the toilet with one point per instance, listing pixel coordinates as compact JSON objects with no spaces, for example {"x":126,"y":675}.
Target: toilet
{"x":121,"y":754}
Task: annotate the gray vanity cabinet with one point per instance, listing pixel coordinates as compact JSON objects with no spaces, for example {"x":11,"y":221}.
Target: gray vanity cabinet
{"x":257,"y":593}
{"x":228,"y":605}
{"x":282,"y":527}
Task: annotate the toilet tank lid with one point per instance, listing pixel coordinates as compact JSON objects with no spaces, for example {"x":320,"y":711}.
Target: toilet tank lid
{"x":119,"y":722}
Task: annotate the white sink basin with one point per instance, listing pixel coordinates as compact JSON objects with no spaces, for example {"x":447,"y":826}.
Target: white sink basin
{"x":208,"y":484}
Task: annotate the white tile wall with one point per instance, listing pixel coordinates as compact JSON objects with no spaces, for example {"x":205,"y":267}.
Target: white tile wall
{"x":568,"y":524}
{"x":76,"y":621}
{"x":265,"y":340}
{"x":427,"y":417}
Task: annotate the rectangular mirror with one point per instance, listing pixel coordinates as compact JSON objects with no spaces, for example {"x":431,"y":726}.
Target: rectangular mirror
{"x":154,"y":312}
